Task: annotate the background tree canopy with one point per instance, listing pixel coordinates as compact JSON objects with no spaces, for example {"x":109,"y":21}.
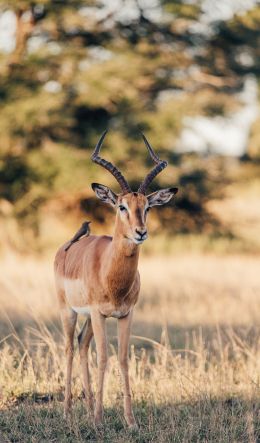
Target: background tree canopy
{"x":75,"y":68}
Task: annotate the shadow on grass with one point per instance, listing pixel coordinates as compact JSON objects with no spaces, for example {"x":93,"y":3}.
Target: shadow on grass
{"x":219,"y":420}
{"x":188,"y":337}
{"x":145,"y":334}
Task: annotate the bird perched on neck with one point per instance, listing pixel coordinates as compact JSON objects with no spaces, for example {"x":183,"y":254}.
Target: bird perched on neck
{"x":84,"y":231}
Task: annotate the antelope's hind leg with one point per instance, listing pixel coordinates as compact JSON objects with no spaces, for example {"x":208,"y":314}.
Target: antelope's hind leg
{"x":69,"y":320}
{"x":124,"y":330}
{"x":84,"y":340}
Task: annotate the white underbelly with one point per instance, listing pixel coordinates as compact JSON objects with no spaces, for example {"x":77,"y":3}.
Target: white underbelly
{"x":109,"y":310}
{"x":117,"y":314}
{"x":86,"y":310}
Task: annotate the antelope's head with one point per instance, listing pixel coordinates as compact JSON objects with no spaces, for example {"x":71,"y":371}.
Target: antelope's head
{"x":132,"y":207}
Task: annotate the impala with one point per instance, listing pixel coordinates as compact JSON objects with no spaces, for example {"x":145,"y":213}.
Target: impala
{"x":97,"y":276}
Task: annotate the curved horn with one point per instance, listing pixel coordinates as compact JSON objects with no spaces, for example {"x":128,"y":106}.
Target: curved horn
{"x":160,"y":165}
{"x":111,"y":168}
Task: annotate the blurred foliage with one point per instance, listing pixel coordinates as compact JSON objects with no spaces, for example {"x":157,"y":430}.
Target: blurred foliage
{"x":74,"y":73}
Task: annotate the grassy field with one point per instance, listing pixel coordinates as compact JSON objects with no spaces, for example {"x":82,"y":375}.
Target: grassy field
{"x":195,"y":355}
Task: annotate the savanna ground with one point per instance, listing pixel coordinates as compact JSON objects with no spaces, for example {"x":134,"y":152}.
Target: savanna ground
{"x":195,"y":355}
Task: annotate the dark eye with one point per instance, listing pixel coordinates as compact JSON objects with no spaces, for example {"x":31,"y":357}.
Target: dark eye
{"x":122,"y":208}
{"x":147,"y":209}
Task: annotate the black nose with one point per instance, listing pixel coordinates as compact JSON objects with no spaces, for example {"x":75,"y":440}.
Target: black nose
{"x":142,"y":234}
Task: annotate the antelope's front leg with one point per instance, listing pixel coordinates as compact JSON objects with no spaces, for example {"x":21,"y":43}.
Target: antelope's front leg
{"x":124,"y":330}
{"x":99,"y":328}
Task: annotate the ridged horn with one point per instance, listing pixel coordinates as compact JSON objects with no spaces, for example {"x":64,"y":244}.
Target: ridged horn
{"x":160,"y":165}
{"x":109,"y":166}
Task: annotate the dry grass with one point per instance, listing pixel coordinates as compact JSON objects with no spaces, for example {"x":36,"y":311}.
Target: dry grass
{"x":195,"y":356}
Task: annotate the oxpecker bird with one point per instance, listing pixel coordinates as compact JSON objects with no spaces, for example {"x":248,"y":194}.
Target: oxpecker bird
{"x":83,"y":231}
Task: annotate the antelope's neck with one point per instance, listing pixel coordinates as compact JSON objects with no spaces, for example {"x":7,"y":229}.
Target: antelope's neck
{"x":121,"y":268}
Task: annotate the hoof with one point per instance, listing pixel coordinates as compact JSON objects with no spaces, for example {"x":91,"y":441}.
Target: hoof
{"x":133,"y":427}
{"x":66,"y":414}
{"x":131,"y":423}
{"x":98,"y":420}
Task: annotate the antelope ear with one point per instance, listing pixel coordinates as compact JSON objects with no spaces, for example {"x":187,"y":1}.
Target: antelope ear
{"x":104,"y":193}
{"x":161,"y":197}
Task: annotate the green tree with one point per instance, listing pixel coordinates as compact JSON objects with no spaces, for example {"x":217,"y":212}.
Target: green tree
{"x":74,"y":73}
